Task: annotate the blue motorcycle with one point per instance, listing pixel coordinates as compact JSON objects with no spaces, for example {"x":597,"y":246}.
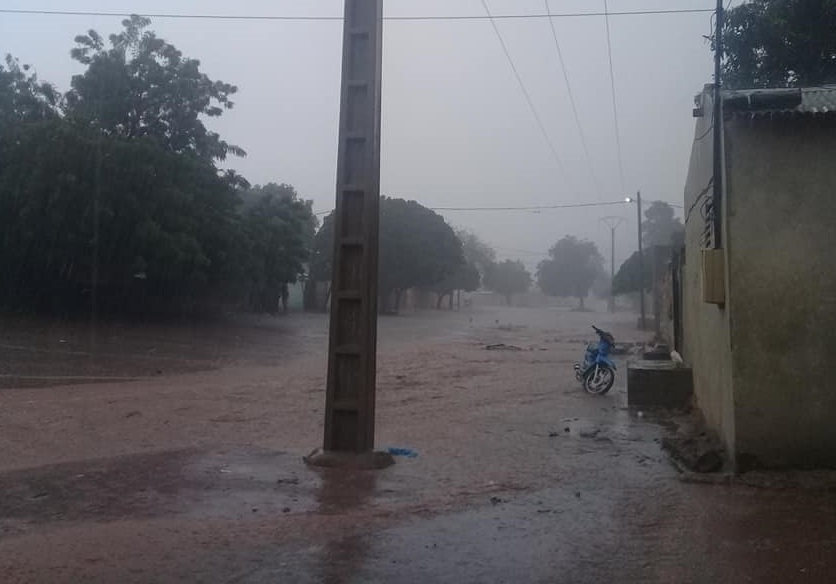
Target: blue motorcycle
{"x":597,"y":372}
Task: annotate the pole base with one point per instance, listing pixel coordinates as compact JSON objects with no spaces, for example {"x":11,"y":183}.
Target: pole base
{"x":372,"y":460}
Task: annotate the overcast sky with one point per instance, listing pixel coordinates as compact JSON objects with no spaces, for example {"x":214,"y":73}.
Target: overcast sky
{"x":457,"y":130}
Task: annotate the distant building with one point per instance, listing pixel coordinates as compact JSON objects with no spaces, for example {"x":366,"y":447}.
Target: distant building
{"x":758,"y":315}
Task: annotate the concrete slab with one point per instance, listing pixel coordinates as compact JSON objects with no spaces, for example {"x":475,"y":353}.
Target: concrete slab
{"x":659,"y":384}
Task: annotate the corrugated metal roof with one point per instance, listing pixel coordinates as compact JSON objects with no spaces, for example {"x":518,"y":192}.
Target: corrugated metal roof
{"x":758,"y":103}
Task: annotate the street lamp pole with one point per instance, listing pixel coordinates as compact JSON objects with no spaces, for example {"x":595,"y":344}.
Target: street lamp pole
{"x":638,"y":201}
{"x":612,"y":223}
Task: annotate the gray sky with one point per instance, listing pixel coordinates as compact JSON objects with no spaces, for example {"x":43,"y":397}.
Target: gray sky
{"x":456,"y":128}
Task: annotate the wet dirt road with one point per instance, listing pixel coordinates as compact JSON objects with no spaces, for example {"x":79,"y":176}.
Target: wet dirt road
{"x":520,"y":477}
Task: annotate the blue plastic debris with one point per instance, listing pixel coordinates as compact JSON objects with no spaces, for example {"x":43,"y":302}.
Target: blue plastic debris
{"x":405,"y":452}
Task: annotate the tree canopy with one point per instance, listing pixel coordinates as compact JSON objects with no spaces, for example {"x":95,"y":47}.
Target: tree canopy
{"x":661,"y":228}
{"x":418,"y":249}
{"x":780,"y":43}
{"x":279,"y":228}
{"x":478,"y":259}
{"x":141,"y":86}
{"x":508,"y":278}
{"x":572,"y":268}
{"x":111,"y":197}
{"x":477,"y":253}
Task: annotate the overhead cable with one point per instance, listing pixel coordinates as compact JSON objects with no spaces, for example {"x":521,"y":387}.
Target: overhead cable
{"x":572,"y":101}
{"x":527,"y":96}
{"x":315,"y":18}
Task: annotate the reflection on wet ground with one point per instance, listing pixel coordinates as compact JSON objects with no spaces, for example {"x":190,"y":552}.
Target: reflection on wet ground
{"x":521,"y":478}
{"x":342,"y":491}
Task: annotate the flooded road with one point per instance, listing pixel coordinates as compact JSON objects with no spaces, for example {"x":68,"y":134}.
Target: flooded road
{"x":520,"y":477}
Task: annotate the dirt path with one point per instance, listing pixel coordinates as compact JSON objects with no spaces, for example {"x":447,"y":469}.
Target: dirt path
{"x":520,"y":477}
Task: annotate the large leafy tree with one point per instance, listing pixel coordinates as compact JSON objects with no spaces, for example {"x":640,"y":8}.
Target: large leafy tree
{"x":478,"y":258}
{"x":279,"y":228}
{"x":780,"y":43}
{"x":477,"y":253}
{"x":508,"y":278}
{"x":23,"y":98}
{"x":466,"y":278}
{"x":140,"y":86}
{"x":418,"y":249}
{"x":113,"y":192}
{"x":572,"y":268}
{"x":660,"y":228}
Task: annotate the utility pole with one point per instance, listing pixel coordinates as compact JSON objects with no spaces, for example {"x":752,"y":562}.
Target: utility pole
{"x":638,"y":202}
{"x":352,"y":350}
{"x":717,"y":190}
{"x":613,"y":223}
{"x":641,"y":258}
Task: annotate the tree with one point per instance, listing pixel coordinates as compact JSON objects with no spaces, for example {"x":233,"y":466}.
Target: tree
{"x":660,"y":226}
{"x":508,"y":278}
{"x":571,"y":270}
{"x":780,"y":43}
{"x":141,"y":86}
{"x":477,"y":253}
{"x":111,"y":197}
{"x":466,"y":278}
{"x":23,"y":98}
{"x":418,"y":249}
{"x":627,"y":278}
{"x":478,"y":258}
{"x":279,"y":228}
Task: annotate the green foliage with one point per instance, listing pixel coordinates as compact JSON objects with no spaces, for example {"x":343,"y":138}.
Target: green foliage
{"x":661,"y":227}
{"x":112,"y":192}
{"x":780,"y":43}
{"x":322,"y":252}
{"x":140,"y":86}
{"x":508,"y":278}
{"x":418,"y":249}
{"x":572,"y":268}
{"x":279,"y":228}
{"x":24,"y":99}
{"x":627,"y":278}
{"x":477,"y":253}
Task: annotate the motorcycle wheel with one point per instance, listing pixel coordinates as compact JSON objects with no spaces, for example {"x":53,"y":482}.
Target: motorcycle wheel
{"x":599,"y":380}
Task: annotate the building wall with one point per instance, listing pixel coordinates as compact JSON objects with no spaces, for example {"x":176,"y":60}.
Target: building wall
{"x":706,"y":330}
{"x":781,"y":196}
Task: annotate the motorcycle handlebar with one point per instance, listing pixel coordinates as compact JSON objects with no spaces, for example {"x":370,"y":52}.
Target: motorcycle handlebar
{"x":599,"y":331}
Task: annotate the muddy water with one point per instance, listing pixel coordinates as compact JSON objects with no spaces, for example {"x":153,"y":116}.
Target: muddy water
{"x":520,"y":477}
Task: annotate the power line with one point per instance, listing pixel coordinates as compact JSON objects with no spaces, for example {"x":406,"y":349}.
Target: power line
{"x":528,"y":208}
{"x":525,"y":91}
{"x":572,"y":100}
{"x":614,"y":104}
{"x":265,"y":17}
{"x":532,"y":208}
{"x":522,"y":251}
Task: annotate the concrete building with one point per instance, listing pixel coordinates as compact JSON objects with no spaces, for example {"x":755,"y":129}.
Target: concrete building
{"x":759,"y":314}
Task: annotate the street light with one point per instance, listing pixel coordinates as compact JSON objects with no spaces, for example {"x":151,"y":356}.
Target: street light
{"x":638,"y":202}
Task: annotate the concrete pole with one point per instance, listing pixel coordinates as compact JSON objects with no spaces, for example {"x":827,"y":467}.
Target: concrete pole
{"x":352,"y":351}
{"x":641,"y":259}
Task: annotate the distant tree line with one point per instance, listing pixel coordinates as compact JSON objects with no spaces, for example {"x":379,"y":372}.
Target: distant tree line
{"x":113,"y":199}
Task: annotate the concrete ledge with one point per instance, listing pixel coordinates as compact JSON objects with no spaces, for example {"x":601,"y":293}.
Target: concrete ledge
{"x":374,"y":460}
{"x":659,"y":383}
